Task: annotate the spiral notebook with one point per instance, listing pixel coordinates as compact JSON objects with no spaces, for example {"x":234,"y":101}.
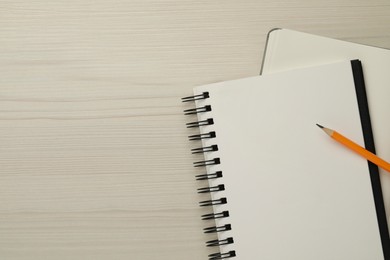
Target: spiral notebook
{"x":279,"y":188}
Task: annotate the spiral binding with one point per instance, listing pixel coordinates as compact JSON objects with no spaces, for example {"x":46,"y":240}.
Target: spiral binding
{"x":217,"y":229}
{"x":202,"y":136}
{"x":208,"y":176}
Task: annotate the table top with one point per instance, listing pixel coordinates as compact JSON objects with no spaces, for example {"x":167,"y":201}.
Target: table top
{"x":94,"y":157}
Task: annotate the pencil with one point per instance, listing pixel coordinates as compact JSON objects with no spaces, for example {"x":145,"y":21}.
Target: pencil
{"x":356,"y":148}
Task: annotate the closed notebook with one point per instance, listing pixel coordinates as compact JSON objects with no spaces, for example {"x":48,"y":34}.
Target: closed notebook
{"x":288,"y":49}
{"x":281,"y":189}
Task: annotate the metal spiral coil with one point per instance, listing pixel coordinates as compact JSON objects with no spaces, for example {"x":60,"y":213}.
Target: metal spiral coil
{"x":204,"y":95}
{"x":206,"y":176}
{"x":221,"y":242}
{"x":207,"y":203}
{"x":220,"y":187}
{"x":208,"y":121}
{"x":202,"y":136}
{"x":223,"y":214}
{"x":211,"y":148}
{"x":218,"y":256}
{"x":217,"y":229}
{"x":207,"y":162}
{"x":209,"y":176}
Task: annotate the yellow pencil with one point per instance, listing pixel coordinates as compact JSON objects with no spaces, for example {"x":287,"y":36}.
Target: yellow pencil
{"x":356,"y":148}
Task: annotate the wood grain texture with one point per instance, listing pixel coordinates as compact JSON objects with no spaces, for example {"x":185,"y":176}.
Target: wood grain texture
{"x":94,"y":157}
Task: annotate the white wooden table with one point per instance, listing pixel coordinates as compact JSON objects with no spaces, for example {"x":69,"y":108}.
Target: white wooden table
{"x":94,"y":157}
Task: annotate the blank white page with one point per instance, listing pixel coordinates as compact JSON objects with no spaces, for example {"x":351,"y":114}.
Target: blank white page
{"x":292,"y":192}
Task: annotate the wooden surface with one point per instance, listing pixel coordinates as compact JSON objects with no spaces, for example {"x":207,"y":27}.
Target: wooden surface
{"x":94,"y":158}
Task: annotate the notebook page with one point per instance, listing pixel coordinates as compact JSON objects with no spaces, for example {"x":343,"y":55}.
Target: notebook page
{"x":292,"y":192}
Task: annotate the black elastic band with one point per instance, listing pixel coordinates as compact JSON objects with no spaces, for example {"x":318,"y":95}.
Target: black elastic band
{"x":365,"y":119}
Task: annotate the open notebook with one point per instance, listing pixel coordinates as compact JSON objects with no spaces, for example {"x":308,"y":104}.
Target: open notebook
{"x":288,"y":49}
{"x":280,"y":188}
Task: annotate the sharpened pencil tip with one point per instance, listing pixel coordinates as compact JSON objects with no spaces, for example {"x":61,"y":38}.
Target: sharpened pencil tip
{"x":320,"y":126}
